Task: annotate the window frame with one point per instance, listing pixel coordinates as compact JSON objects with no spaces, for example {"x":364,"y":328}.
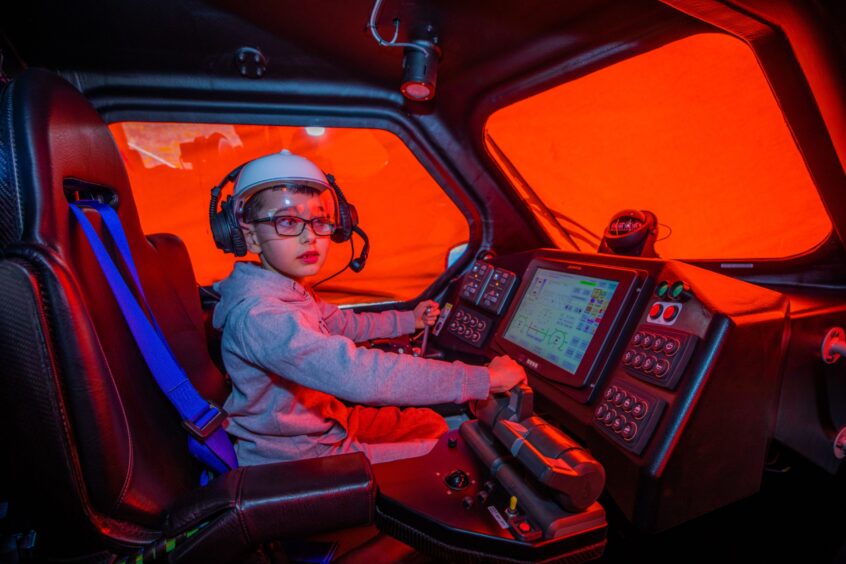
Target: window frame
{"x":413,"y":137}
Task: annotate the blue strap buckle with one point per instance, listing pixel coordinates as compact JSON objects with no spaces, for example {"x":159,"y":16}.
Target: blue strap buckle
{"x":209,"y":427}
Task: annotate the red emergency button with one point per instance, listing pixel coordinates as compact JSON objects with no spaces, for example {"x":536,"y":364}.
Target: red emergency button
{"x":671,"y":312}
{"x":655,"y":312}
{"x":524,"y":527}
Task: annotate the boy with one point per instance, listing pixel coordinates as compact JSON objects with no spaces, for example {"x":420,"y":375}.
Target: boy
{"x":289,"y":354}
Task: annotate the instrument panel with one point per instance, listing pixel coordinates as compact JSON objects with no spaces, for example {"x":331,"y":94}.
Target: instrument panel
{"x":651,"y":363}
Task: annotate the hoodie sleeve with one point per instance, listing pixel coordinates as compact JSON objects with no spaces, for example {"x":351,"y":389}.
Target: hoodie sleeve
{"x":368,"y":325}
{"x":282,"y":341}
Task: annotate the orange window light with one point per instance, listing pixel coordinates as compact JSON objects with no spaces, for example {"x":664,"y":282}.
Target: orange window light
{"x":690,"y":131}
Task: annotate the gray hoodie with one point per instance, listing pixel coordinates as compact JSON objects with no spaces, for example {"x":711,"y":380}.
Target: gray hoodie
{"x":289,"y":354}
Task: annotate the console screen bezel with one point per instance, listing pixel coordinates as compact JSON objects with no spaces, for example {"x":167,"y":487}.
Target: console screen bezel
{"x":600,"y":342}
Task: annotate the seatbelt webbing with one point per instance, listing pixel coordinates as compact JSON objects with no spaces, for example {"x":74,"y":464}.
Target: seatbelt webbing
{"x":214,"y":448}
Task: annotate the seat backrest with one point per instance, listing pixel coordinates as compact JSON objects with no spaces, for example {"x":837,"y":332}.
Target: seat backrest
{"x":96,"y":451}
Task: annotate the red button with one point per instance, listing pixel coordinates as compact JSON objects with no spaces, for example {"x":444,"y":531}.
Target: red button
{"x":524,"y":527}
{"x":656,"y":311}
{"x":670,"y":313}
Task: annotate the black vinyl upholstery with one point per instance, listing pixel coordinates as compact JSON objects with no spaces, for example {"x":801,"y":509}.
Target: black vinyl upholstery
{"x":97,"y":453}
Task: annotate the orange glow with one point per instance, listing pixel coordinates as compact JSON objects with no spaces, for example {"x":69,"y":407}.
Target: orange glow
{"x":410,"y":221}
{"x":690,"y":131}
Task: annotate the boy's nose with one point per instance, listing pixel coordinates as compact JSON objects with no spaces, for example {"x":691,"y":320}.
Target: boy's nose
{"x":308,"y":233}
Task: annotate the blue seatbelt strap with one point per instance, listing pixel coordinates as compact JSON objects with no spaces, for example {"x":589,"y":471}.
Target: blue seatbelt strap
{"x":207,"y":440}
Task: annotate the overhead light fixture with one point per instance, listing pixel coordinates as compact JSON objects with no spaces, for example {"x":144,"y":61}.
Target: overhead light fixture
{"x":420,"y":71}
{"x":315,"y":131}
{"x":420,"y":60}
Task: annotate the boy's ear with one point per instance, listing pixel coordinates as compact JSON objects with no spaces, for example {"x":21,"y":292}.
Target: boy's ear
{"x":249,"y":231}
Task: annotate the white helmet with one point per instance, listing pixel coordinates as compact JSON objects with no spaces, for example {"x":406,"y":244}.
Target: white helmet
{"x":283,"y":167}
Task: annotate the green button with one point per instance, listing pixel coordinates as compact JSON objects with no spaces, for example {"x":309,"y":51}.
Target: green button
{"x":662,"y":288}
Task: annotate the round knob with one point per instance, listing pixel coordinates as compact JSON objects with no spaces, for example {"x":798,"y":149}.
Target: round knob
{"x":457,"y":480}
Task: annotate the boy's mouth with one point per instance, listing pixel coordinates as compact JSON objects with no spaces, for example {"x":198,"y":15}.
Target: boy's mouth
{"x":309,"y":257}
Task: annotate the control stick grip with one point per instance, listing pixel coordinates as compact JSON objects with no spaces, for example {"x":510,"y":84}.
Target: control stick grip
{"x":555,"y":459}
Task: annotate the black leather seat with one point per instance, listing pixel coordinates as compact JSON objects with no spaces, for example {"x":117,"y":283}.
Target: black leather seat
{"x":96,"y":454}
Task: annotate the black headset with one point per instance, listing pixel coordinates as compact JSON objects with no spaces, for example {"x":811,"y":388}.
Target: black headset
{"x":229,"y":238}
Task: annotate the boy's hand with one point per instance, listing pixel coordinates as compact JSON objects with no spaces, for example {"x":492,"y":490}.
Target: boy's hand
{"x":505,"y":374}
{"x":422,"y":318}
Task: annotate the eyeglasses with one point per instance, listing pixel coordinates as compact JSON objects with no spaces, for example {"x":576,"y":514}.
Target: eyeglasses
{"x":292,"y":226}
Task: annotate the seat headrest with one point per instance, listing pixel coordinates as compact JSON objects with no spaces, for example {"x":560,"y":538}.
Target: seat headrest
{"x":53,"y":140}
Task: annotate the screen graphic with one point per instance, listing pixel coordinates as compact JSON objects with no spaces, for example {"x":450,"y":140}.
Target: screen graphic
{"x":559,"y":315}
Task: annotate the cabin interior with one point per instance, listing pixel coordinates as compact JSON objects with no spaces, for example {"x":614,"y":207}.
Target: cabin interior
{"x":639,"y":201}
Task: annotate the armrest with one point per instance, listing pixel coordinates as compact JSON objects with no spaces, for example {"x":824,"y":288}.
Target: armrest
{"x":256,"y":504}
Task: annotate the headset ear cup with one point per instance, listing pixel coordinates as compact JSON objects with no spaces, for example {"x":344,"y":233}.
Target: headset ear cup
{"x":226,"y":232}
{"x":236,"y":236}
{"x":347,"y":218}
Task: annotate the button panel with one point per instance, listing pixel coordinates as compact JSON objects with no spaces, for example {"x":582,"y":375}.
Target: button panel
{"x":658,"y":356}
{"x":664,"y":313}
{"x":628,"y":415}
{"x":469,"y":326}
{"x":475,"y":280}
{"x":488,"y":287}
{"x":497,"y":290}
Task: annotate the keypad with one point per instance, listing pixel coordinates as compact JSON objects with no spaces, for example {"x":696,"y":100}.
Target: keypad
{"x":628,"y":415}
{"x":470,"y":326}
{"x":658,"y":355}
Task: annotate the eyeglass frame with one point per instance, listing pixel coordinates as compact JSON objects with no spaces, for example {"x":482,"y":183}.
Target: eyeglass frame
{"x":304,"y":222}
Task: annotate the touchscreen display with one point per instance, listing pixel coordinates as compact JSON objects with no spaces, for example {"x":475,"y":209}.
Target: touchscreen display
{"x":559,"y":315}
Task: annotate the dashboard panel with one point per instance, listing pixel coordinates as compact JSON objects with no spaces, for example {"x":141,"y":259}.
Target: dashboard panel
{"x":667,"y":372}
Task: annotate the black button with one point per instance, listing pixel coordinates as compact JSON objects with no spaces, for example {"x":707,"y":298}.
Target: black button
{"x":629,"y":430}
{"x":618,"y":424}
{"x":671,"y":347}
{"x":661,"y":367}
{"x":649,"y":364}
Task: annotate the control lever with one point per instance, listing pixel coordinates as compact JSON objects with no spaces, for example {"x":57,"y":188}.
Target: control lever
{"x":515,"y":405}
{"x":552,"y":457}
{"x":425,"y":342}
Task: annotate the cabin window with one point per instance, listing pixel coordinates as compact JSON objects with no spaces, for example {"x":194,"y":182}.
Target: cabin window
{"x":690,"y":131}
{"x":412,"y":224}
